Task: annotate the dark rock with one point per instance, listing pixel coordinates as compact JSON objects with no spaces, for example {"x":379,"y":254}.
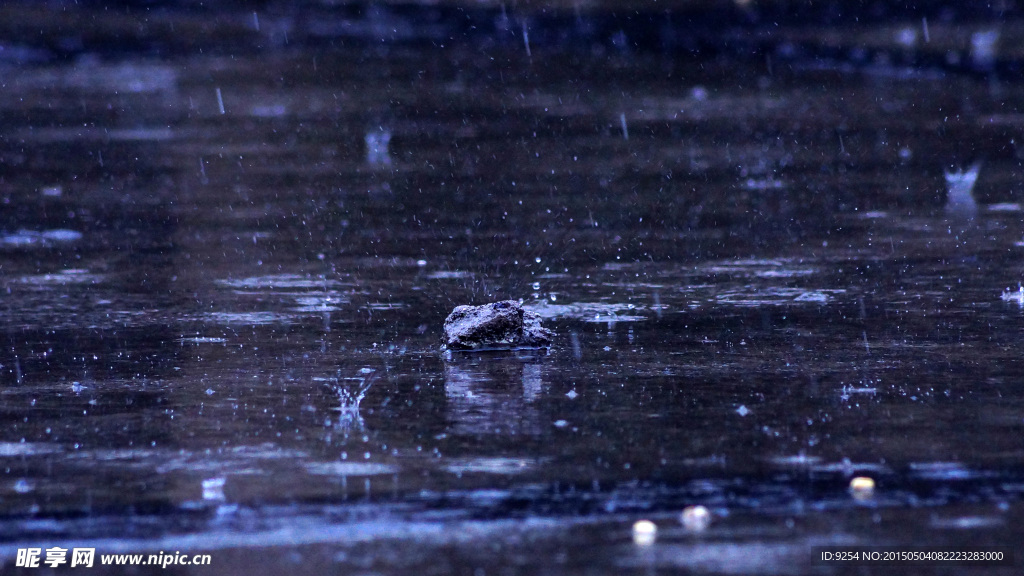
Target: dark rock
{"x":499,"y":325}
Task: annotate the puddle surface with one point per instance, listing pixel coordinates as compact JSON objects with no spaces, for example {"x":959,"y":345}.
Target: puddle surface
{"x":223,"y":284}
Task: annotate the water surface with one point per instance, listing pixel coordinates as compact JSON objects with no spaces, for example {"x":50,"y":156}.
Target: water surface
{"x":757,"y":291}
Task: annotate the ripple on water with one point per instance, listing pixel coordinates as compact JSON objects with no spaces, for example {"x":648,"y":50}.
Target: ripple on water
{"x":9,"y":449}
{"x":967,"y":522}
{"x":246,"y":318}
{"x":588,"y":311}
{"x":316,"y":303}
{"x":449,"y":275}
{"x":798,"y":460}
{"x":350,"y":469}
{"x":760,"y":267}
{"x":945,"y":471}
{"x":751,"y":296}
{"x":278,"y":281}
{"x":203,"y":340}
{"x":30,"y":238}
{"x":1004,"y":207}
{"x":490,"y":465}
{"x":384,"y":305}
{"x":847,"y":467}
{"x":73,"y":276}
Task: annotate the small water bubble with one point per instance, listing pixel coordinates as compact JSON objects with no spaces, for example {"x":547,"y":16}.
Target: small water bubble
{"x":743,"y":410}
{"x":537,"y":260}
{"x":695,"y":518}
{"x":862,"y":487}
{"x":536,"y":285}
{"x":644,"y":532}
{"x":209,"y":391}
{"x":552,"y":296}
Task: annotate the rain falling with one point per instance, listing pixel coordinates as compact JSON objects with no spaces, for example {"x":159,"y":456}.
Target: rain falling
{"x":510,"y":288}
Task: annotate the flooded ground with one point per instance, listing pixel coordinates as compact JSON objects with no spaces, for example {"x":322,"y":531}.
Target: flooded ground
{"x":223,"y":277}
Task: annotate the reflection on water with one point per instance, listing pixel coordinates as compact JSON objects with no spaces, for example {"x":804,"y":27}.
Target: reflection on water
{"x":491,"y":395}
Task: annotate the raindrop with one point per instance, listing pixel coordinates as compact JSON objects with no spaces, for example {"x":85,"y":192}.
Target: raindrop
{"x":526,"y":40}
{"x":377,"y":142}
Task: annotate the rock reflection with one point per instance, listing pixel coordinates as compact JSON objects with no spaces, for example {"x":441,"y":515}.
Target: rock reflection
{"x":494,"y":394}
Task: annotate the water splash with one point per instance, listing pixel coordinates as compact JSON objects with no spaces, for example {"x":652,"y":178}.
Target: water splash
{"x":350,"y":391}
{"x":960,"y":185}
{"x":1014,"y":296}
{"x":377,"y":142}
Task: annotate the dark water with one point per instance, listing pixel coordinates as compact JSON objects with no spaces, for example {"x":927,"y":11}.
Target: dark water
{"x":757,"y":287}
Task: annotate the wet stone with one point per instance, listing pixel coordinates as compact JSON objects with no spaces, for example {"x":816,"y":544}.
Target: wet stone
{"x":494,"y":326}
